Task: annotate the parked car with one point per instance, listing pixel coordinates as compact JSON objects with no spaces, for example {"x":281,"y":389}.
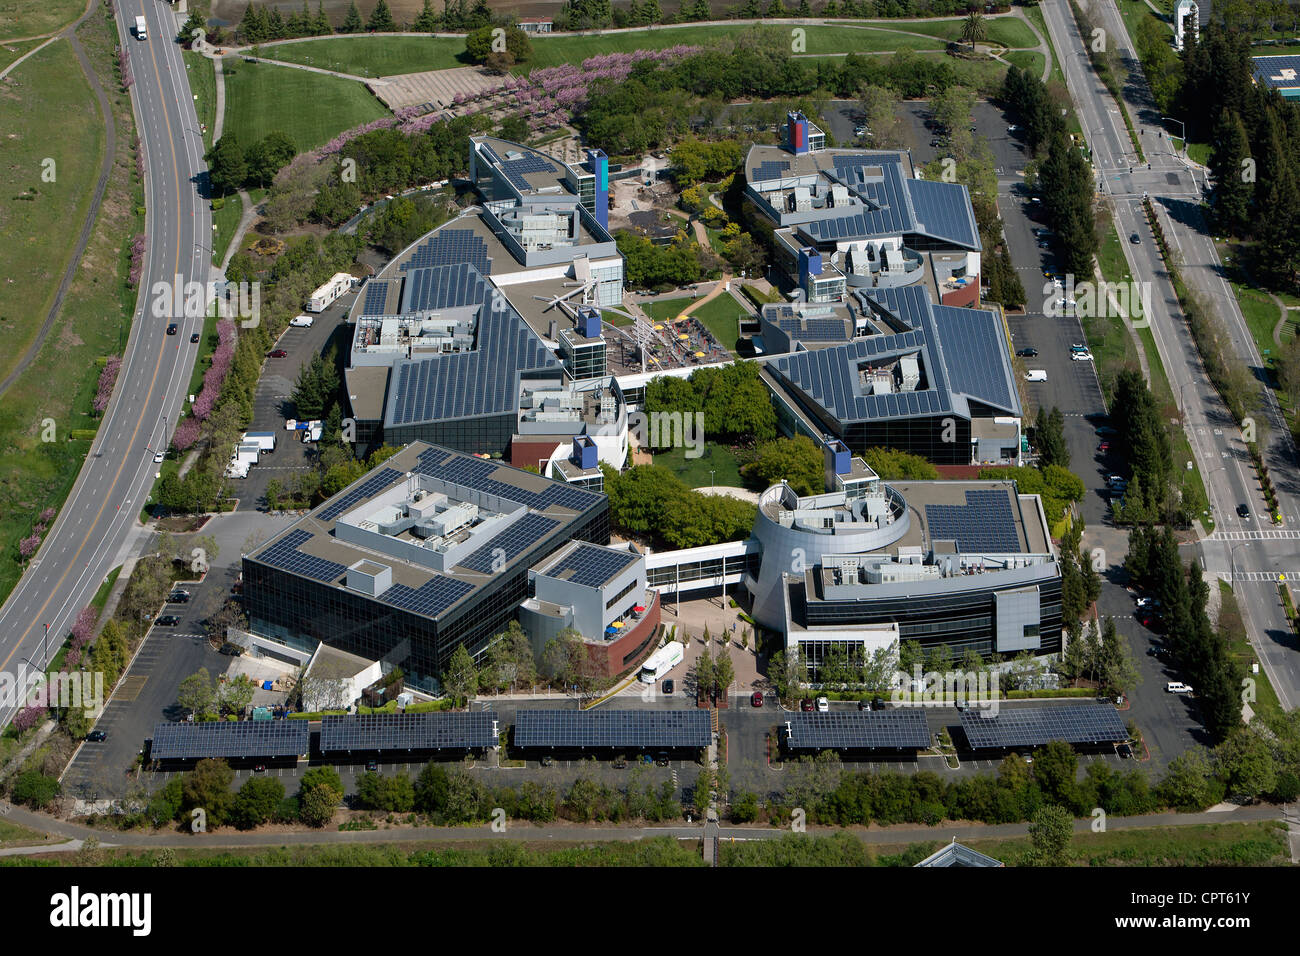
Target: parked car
{"x":1103,"y":446}
{"x":546,"y":760}
{"x":1124,"y":751}
{"x":1148,"y":602}
{"x":96,"y":736}
{"x":756,"y":699}
{"x":823,"y":705}
{"x":619,"y":763}
{"x":806,"y":705}
{"x":372,"y":766}
{"x":864,"y":704}
{"x":1178,"y":687}
{"x":167,"y":620}
{"x":277,"y":353}
{"x":158,"y":456}
{"x":178,"y":597}
{"x":661,"y":759}
{"x":1081,"y":356}
{"x":259,"y":768}
{"x":231,"y":650}
{"x":1028,"y":353}
{"x":668,"y":686}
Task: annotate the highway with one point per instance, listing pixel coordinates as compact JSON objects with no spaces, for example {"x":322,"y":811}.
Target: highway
{"x":1245,"y":546}
{"x":98,"y":523}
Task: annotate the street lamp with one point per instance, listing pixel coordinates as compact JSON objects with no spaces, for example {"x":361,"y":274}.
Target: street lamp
{"x":711,"y":471}
{"x":1182,"y":130}
{"x":1232,"y":560}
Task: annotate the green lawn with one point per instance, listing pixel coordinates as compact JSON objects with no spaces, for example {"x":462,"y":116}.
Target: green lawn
{"x":721,"y":316}
{"x":1031,"y":61}
{"x":695,"y":471}
{"x":1035,"y":16}
{"x":310,"y":108}
{"x":29,"y":18}
{"x":1189,"y":481}
{"x":1261,"y":314}
{"x":1223,"y":844}
{"x":374,"y":54}
{"x":1234,"y":629}
{"x":42,"y":206}
{"x":226,"y":219}
{"x":203,"y":86}
{"x":12,"y":51}
{"x":1008,"y":31}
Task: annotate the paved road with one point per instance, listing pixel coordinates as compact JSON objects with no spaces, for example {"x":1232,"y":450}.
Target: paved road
{"x":99,"y":518}
{"x":1215,"y":439}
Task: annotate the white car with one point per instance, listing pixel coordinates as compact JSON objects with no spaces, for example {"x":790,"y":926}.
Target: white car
{"x":158,"y":456}
{"x":823,"y":705}
{"x":1178,"y":687}
{"x":1012,"y":128}
{"x":302,"y":321}
{"x":1081,"y":356}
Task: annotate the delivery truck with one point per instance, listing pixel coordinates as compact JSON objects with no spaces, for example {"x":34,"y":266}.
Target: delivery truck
{"x":141,"y":31}
{"x":264,"y":440}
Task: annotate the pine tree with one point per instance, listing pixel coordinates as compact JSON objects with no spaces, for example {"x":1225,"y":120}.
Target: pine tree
{"x":352,"y":23}
{"x":321,"y":25}
{"x":253,"y":25}
{"x":427,"y":21}
{"x":651,"y":12}
{"x":805,"y":9}
{"x":702,"y":11}
{"x":381,"y":21}
{"x":1234,"y":180}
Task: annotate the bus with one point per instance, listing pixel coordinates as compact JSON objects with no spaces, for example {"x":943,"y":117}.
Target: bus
{"x":662,"y":661}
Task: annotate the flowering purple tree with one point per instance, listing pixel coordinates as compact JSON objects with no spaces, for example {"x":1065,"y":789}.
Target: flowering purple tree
{"x":138,"y":246}
{"x":107,"y":379}
{"x":83,"y":628}
{"x":29,"y":717}
{"x":186,"y":434}
{"x":27,"y":546}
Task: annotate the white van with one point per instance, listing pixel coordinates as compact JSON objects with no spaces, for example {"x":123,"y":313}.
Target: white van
{"x":1036,"y":375}
{"x":302,"y":321}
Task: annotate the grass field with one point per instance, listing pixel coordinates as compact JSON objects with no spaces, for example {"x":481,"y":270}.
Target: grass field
{"x":1224,"y":844}
{"x":695,"y":471}
{"x":51,"y":118}
{"x":94,"y":320}
{"x":1190,"y":481}
{"x":29,"y":18}
{"x":1008,"y":31}
{"x":11,"y":834}
{"x":385,"y":56}
{"x":12,"y":51}
{"x":1234,"y":629}
{"x":311,"y":109}
{"x":226,"y":219}
{"x":1261,"y":314}
{"x":1031,"y":61}
{"x":721,"y":316}
{"x":203,"y":86}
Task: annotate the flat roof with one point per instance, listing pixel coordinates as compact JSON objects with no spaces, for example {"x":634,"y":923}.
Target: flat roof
{"x":963,"y":355}
{"x":1035,"y":726}
{"x":529,"y":170}
{"x":590,"y":565}
{"x":387,"y":733}
{"x":899,"y":729}
{"x":1281,"y":71}
{"x":630,"y":730}
{"x":311,"y":548}
{"x":230,"y":739}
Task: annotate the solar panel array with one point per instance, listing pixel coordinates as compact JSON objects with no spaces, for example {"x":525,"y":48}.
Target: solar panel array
{"x":984,"y":523}
{"x":482,"y":382}
{"x":769,"y":169}
{"x":476,"y":473}
{"x":284,"y":554}
{"x":443,"y":287}
{"x":613,"y":729}
{"x":448,"y":247}
{"x":512,"y":542}
{"x":376,"y":302}
{"x":516,"y":169}
{"x":430,"y":599}
{"x":981,"y":367}
{"x":230,"y":739}
{"x":590,"y":565}
{"x":366,"y":489}
{"x":1273,"y":70}
{"x":1034,"y":726}
{"x":904,"y":729}
{"x":943,"y":211}
{"x":387,"y":732}
{"x":815,"y":330}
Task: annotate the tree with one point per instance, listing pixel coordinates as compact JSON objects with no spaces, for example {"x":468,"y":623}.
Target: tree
{"x":207,"y":787}
{"x":892,"y":464}
{"x":227,"y":166}
{"x":974,"y":29}
{"x":392,"y":793}
{"x":724,"y":673}
{"x":256,"y":802}
{"x":499,"y":51}
{"x":1189,"y":783}
{"x":267,"y":156}
{"x":319,"y":795}
{"x":35,"y":789}
{"x":878,"y":106}
{"x":460,"y":679}
{"x":1230,"y":163}
{"x":1050,"y":833}
{"x":785,"y":672}
{"x":744,"y":809}
{"x":795,"y":460}
{"x":1118,"y":672}
{"x":352,"y":23}
{"x":427,"y":20}
{"x":1049,"y":437}
{"x":316,"y":385}
{"x":1246,"y":764}
{"x":431,"y":789}
{"x":196,"y":694}
{"x":1055,"y":767}
{"x":235,"y":695}
{"x":381,"y":20}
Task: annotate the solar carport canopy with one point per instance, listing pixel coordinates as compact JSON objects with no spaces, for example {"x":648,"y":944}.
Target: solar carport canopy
{"x":230,"y":739}
{"x":1034,"y":726}
{"x":409,"y":732}
{"x":867,"y":730}
{"x":613,"y":729}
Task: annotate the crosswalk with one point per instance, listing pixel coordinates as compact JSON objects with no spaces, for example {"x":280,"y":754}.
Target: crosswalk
{"x":1291,"y":577}
{"x":1269,"y":535}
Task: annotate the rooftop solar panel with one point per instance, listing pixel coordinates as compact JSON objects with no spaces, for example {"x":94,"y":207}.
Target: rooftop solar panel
{"x":515,"y":540}
{"x":903,"y":729}
{"x":613,"y":729}
{"x":1034,"y":726}
{"x":367,"y":489}
{"x":985,"y":523}
{"x":376,"y":299}
{"x":943,"y":211}
{"x":476,"y":473}
{"x":378,"y":733}
{"x":230,"y":739}
{"x":284,"y":554}
{"x":431,"y":598}
{"x":590,"y":565}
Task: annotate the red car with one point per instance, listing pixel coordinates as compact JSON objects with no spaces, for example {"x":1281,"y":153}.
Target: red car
{"x":277,"y":353}
{"x":757,"y":699}
{"x":1104,"y":446}
{"x":807,"y":705}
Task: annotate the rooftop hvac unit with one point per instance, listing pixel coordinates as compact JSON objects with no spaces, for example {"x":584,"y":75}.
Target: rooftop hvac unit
{"x":910,"y":373}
